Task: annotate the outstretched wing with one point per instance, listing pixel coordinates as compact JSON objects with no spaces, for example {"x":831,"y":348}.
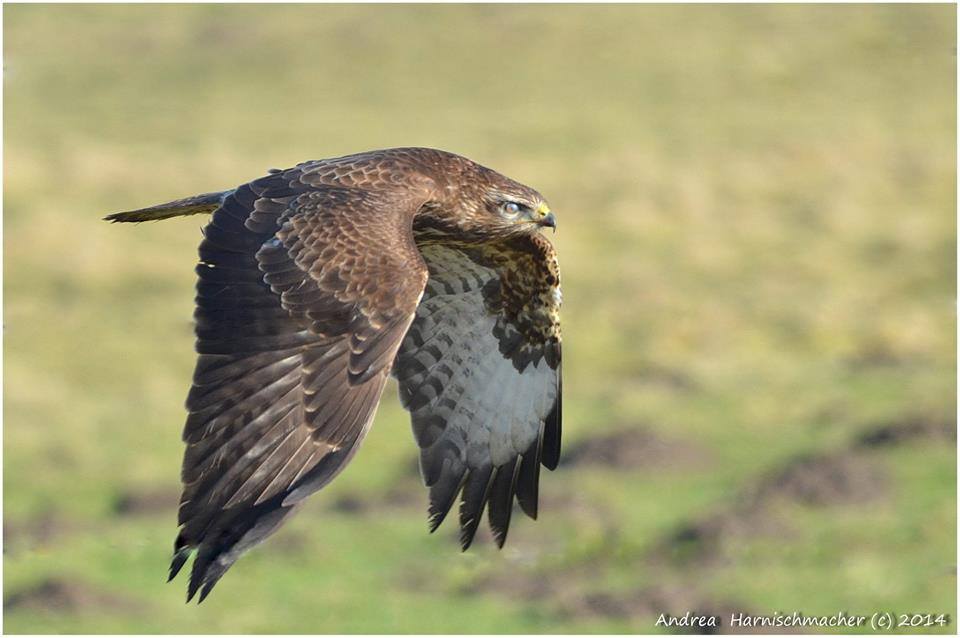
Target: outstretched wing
{"x":305,"y":292}
{"x":479,"y":371}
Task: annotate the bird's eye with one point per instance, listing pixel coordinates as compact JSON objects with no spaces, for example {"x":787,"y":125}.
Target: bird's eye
{"x":511,"y":208}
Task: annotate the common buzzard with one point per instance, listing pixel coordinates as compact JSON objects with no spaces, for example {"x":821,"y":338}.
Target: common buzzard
{"x":315,"y":283}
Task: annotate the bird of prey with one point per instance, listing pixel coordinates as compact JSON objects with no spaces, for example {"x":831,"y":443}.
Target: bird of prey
{"x":317,"y":282}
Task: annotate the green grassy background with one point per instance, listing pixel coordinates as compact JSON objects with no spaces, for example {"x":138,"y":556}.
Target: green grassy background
{"x":757,"y":234}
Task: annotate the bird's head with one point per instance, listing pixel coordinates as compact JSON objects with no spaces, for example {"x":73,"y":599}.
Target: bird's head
{"x":474,"y":203}
{"x":517,"y":210}
{"x":497,"y":206}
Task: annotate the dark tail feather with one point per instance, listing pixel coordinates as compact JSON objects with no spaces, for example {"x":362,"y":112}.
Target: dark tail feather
{"x":196,"y":205}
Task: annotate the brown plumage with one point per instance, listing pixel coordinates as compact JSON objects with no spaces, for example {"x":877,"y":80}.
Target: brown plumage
{"x":315,"y":283}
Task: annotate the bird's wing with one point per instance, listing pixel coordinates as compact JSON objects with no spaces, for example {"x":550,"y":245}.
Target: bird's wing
{"x":479,"y":371}
{"x":305,"y":292}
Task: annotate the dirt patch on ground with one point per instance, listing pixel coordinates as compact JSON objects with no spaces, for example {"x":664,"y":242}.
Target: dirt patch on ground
{"x":875,"y":354}
{"x":829,"y":479}
{"x":34,"y":532}
{"x":633,"y":448}
{"x":58,"y":594}
{"x":707,"y":540}
{"x":404,"y":495}
{"x":146,"y":502}
{"x":916,"y":427}
{"x":843,"y":478}
{"x":523,"y":585}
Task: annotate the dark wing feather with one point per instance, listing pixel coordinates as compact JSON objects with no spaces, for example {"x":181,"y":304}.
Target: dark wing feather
{"x":305,"y":291}
{"x":528,"y":481}
{"x":551,"y":429}
{"x":501,"y":500}
{"x":472,"y":499}
{"x":479,"y":371}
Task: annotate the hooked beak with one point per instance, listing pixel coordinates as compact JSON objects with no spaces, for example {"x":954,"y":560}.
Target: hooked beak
{"x":545,"y":218}
{"x":548,"y":220}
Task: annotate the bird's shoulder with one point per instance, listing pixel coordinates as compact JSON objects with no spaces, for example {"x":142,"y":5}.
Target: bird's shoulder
{"x":415,"y":172}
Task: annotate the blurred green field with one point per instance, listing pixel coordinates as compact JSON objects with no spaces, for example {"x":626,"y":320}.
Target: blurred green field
{"x":758,"y":239}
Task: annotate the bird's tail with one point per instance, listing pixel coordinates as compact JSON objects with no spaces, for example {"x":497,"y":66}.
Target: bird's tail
{"x":196,"y":205}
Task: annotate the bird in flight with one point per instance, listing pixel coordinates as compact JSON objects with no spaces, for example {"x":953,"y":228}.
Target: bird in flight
{"x":317,"y":282}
